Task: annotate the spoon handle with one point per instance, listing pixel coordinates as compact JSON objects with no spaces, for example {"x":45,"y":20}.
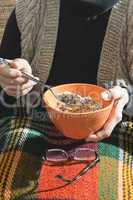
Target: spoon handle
{"x":32,"y":78}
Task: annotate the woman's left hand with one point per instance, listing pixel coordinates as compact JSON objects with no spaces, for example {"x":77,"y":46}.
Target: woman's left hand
{"x":121,"y":98}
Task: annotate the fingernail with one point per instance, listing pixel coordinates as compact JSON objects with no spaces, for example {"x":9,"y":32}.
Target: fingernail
{"x":34,"y":83}
{"x":92,"y":138}
{"x":100,"y":134}
{"x":107,"y":96}
{"x":37,"y":78}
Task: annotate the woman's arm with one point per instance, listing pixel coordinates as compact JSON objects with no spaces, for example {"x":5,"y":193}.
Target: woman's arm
{"x":12,"y":83}
{"x":126,"y":58}
{"x":10,"y":46}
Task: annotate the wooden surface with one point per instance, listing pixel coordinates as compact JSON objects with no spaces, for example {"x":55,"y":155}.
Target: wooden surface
{"x":6,"y":7}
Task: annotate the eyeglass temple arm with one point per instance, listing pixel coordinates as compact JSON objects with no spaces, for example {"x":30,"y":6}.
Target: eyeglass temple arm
{"x":81,"y":173}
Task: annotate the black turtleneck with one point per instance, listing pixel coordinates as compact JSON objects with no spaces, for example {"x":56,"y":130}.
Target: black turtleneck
{"x":78,"y":45}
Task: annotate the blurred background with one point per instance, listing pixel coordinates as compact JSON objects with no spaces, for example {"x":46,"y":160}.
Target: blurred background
{"x":6,"y":7}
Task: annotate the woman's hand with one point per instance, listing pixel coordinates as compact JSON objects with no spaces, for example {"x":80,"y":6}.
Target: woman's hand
{"x":121,"y":98}
{"x":11,"y":79}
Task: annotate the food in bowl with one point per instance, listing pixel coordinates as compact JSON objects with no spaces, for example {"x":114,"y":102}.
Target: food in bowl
{"x":78,"y":125}
{"x":72,"y":102}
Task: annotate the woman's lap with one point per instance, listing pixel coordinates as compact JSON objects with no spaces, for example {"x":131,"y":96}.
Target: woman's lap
{"x":24,"y":141}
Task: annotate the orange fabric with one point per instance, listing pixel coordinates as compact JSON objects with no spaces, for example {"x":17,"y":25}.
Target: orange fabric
{"x":86,"y":188}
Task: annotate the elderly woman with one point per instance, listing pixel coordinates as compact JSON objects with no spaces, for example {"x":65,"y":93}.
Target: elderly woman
{"x":72,"y":41}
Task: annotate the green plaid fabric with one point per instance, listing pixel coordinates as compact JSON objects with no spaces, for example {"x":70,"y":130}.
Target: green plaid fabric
{"x":24,"y":140}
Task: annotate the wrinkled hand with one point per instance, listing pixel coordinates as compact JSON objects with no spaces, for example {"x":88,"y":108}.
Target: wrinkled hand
{"x":11,"y":79}
{"x":121,"y":97}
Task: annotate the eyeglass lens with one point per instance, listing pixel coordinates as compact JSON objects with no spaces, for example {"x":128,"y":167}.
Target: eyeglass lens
{"x":84,"y":154}
{"x":56,"y":155}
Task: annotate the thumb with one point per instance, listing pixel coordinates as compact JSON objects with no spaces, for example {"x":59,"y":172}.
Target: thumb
{"x":16,"y":64}
{"x":106,"y":95}
{"x":114,"y":93}
{"x":6,"y":69}
{"x":21,"y":65}
{"x":11,"y":63}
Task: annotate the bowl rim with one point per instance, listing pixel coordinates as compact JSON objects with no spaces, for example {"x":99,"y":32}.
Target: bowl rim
{"x":77,"y":113}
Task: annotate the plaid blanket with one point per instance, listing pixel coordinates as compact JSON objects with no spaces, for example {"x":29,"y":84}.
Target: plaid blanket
{"x":24,"y":175}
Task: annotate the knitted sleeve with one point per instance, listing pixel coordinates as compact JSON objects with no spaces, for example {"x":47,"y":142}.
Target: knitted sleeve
{"x":38,"y":24}
{"x":20,"y":10}
{"x":126,"y":54}
{"x":28,"y":21}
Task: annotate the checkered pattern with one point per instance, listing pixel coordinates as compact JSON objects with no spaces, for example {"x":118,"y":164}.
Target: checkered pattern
{"x":25,"y":176}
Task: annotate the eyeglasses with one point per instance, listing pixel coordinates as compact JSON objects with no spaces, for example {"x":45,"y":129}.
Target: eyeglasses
{"x":60,"y":156}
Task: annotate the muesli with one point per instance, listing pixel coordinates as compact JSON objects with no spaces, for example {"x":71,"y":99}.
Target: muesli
{"x":72,"y":102}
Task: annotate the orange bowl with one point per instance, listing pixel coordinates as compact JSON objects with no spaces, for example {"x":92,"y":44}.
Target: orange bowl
{"x":78,"y":125}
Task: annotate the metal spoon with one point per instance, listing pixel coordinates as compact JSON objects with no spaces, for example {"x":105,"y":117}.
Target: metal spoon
{"x":32,"y":78}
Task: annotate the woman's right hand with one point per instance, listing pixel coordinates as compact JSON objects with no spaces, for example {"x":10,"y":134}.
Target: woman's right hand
{"x":11,"y":79}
